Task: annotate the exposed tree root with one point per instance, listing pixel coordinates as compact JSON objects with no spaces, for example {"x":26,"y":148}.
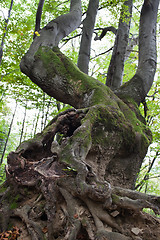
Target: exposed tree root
{"x":57,"y":193}
{"x":33,"y":228}
{"x":136,"y":205}
{"x":152,"y":200}
{"x":71,"y":210}
{"x":101,"y":216}
{"x":104,"y":235}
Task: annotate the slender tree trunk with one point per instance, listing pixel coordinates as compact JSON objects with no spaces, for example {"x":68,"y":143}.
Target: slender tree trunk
{"x":47,"y":111}
{"x":58,"y":105}
{"x":140,"y":185}
{"x":33,"y":125}
{"x":43,"y":106}
{"x":116,"y":67}
{"x":87,"y":32}
{"x":38,"y":16}
{"x":3,"y":93}
{"x":23,"y":123}
{"x":10,"y":128}
{"x":5,"y":31}
{"x":133,"y":41}
{"x":25,"y":133}
{"x":37,"y":119}
{"x":147,"y":44}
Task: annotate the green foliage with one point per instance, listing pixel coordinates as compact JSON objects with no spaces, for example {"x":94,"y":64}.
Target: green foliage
{"x":2,"y":173}
{"x":151,"y":184}
{"x":150,"y":211}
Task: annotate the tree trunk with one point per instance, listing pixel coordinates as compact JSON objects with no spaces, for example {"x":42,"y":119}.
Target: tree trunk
{"x":38,"y":16}
{"x":47,"y":112}
{"x":5,"y":31}
{"x":138,"y":87}
{"x":87,"y":32}
{"x":23,"y":123}
{"x":81,"y":187}
{"x":116,"y":67}
{"x":9,"y":131}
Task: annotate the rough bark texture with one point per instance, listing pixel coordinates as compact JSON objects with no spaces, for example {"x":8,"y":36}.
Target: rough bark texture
{"x":81,"y":184}
{"x":65,"y":82}
{"x":116,"y":67}
{"x":68,"y":190}
{"x":74,"y":188}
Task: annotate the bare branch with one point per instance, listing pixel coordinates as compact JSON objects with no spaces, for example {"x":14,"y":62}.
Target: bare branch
{"x":53,"y":32}
{"x":104,"y":32}
{"x":38,"y":16}
{"x":101,"y":53}
{"x":3,"y":14}
{"x":66,"y":40}
{"x":146,"y":177}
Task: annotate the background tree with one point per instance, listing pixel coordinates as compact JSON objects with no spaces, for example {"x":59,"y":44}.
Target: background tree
{"x":80,"y":185}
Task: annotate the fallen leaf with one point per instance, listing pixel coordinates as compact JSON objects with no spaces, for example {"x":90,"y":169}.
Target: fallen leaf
{"x":136,"y":231}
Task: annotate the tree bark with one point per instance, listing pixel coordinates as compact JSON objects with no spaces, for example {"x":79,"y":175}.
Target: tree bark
{"x":5,"y":31}
{"x":9,"y":131}
{"x":23,"y":123}
{"x":138,"y":87}
{"x":116,"y":67}
{"x":38,"y":16}
{"x":87,"y":32}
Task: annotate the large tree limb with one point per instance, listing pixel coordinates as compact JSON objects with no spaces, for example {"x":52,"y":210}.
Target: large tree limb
{"x":53,"y":32}
{"x":104,"y":31}
{"x":138,"y":87}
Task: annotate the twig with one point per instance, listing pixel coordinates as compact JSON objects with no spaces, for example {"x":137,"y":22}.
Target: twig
{"x":146,"y":177}
{"x":66,"y":40}
{"x":3,"y":15}
{"x":38,"y":16}
{"x":101,"y":53}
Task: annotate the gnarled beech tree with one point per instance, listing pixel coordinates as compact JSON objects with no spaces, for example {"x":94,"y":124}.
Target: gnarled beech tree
{"x":81,"y":186}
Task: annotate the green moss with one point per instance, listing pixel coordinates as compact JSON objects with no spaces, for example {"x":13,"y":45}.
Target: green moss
{"x":51,"y":61}
{"x":13,"y":205}
{"x":131,"y":111}
{"x":57,"y":63}
{"x":3,"y":189}
{"x":109,"y":119}
{"x":14,"y":201}
{"x":107,"y":113}
{"x":115,"y":198}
